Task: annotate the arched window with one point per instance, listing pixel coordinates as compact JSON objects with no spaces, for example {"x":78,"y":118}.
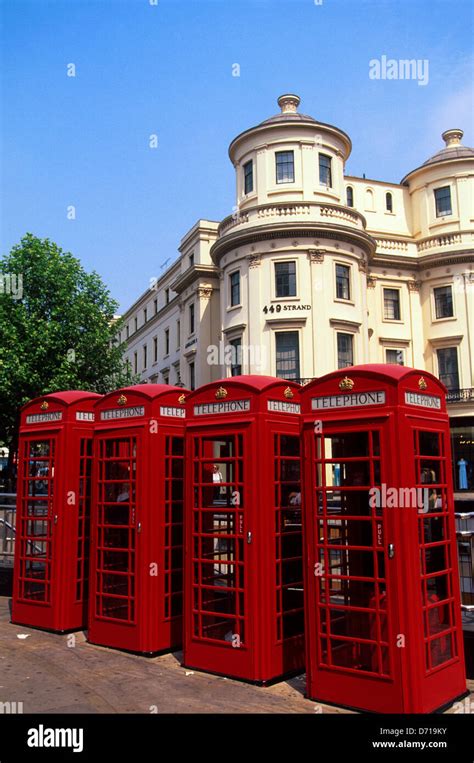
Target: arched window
{"x":349,"y":196}
{"x":369,"y":200}
{"x":389,"y":202}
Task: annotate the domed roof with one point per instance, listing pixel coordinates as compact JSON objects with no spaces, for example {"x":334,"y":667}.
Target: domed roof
{"x":289,"y":115}
{"x":288,"y":104}
{"x":461,"y":152}
{"x":452,"y":151}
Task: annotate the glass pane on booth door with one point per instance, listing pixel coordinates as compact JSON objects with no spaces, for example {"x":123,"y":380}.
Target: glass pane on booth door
{"x":437,"y":548}
{"x":218,"y":550}
{"x":350,"y":570}
{"x":36,"y":520}
{"x":116,"y":529}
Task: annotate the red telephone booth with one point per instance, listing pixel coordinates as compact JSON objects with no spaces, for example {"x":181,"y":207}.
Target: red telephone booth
{"x":382,"y":591}
{"x":53,"y":502}
{"x":137,"y":520}
{"x":244,"y":608}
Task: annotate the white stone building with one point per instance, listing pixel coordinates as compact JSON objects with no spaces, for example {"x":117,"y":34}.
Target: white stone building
{"x":315,"y":270}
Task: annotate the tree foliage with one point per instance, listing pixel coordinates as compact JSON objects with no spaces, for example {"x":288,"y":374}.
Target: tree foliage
{"x":57,"y":331}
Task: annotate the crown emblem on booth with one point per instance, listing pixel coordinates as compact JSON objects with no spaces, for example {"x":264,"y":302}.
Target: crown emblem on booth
{"x":122,"y":400}
{"x":346,"y":383}
{"x":288,"y":393}
{"x":221,"y":392}
{"x":422,"y":383}
{"x":181,"y":399}
{"x":44,"y":405}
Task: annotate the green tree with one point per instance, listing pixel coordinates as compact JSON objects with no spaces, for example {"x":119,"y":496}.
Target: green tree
{"x":57,"y":330}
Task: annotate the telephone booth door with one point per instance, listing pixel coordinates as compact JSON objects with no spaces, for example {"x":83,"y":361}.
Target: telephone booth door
{"x":383,"y":607}
{"x":352,"y":607}
{"x":137,"y":520}
{"x":53,"y":503}
{"x":117,"y":527}
{"x":436,"y":573}
{"x":243,"y":577}
{"x":35,"y":521}
{"x":220,"y":546}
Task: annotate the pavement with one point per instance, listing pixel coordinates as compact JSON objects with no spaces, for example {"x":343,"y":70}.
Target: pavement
{"x":52,"y":673}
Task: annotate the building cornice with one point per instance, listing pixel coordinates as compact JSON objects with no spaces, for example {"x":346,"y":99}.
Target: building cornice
{"x":418,"y":264}
{"x":192,"y":274}
{"x":290,"y":230}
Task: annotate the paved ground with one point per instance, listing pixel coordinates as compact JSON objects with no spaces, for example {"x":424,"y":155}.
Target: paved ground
{"x":48,"y":676}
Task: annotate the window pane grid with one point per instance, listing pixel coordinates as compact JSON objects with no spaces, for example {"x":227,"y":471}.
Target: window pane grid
{"x":173,"y":527}
{"x":391,"y":304}
{"x":436,"y":566}
{"x":218,"y":548}
{"x":285,"y":167}
{"x":352,"y":614}
{"x":116,"y":533}
{"x":35,"y":520}
{"x":343,"y":290}
{"x":443,"y":302}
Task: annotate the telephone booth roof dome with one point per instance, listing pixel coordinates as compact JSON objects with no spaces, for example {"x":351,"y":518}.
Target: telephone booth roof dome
{"x":150,"y":391}
{"x":247,"y":381}
{"x":380,"y":371}
{"x":67,"y":397}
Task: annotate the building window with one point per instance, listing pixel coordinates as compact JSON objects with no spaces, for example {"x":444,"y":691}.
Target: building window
{"x":448,"y":367}
{"x":155,"y":306}
{"x":167,"y":296}
{"x":178,"y":334}
{"x":145,"y":357}
{"x":135,"y":362}
{"x":389,"y":202}
{"x":191,"y":259}
{"x":343,"y":284}
{"x":285,"y":166}
{"x":234,"y":279}
{"x":395,"y":357}
{"x":127,"y":331}
{"x":192,"y":376}
{"x":443,"y":201}
{"x":167,"y":341}
{"x":145,"y":315}
{"x":369,"y":200}
{"x":191,"y":319}
{"x":135,"y":322}
{"x":155,"y":349}
{"x":325,"y":173}
{"x":248,"y":177}
{"x":391,"y":304}
{"x":287,"y":355}
{"x":349,"y":196}
{"x":236,"y":357}
{"x":166,"y":378}
{"x":345,"y":353}
{"x":443,"y":297}
{"x":285,"y":279}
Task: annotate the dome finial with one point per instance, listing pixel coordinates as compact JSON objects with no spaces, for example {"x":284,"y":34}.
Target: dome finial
{"x":452,"y":137}
{"x":289,"y":103}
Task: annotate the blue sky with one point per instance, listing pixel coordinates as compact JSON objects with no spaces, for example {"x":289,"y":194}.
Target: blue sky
{"x":166,"y":69}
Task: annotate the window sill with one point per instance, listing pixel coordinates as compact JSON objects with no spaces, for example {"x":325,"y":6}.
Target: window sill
{"x":234,"y":307}
{"x":444,"y":320}
{"x":343,"y":301}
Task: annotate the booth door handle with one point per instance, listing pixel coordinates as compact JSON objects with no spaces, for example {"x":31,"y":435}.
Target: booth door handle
{"x":391,"y":550}
{"x":139,"y":527}
{"x":55,"y":519}
{"x":249,"y":537}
